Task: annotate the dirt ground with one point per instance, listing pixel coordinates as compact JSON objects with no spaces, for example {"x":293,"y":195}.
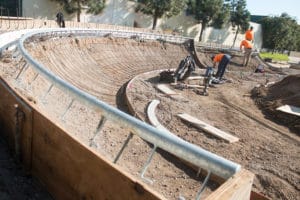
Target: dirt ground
{"x":15,"y":183}
{"x":268,"y":148}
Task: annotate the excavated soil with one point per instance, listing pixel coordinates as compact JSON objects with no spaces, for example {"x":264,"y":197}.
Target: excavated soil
{"x":103,"y":66}
{"x":267,"y":148}
{"x":285,"y":92}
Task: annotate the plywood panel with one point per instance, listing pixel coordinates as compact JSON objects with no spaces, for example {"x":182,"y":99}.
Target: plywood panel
{"x":9,"y":103}
{"x":7,"y":111}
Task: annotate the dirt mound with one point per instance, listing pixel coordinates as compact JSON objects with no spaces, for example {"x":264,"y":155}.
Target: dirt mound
{"x":287,"y":91}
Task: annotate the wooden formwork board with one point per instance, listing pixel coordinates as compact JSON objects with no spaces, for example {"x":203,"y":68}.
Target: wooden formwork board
{"x":67,"y":168}
{"x":73,"y":171}
{"x":236,"y":188}
{"x":16,"y":126}
{"x":70,"y":170}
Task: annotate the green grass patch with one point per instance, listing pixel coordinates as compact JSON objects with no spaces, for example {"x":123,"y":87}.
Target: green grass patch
{"x":274,"y":56}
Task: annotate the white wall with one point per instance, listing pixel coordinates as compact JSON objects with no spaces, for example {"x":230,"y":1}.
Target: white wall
{"x":44,"y":9}
{"x":121,"y":12}
{"x":189,"y":27}
{"x":226,"y":36}
{"x":118,"y":12}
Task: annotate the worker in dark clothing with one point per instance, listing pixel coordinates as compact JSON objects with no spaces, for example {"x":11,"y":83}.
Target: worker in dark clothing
{"x":223,"y":60}
{"x":60,"y":20}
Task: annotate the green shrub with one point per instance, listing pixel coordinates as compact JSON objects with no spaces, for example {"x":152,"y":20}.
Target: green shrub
{"x":274,"y":56}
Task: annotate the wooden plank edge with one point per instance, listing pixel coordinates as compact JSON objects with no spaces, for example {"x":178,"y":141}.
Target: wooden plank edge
{"x":236,"y":188}
{"x":225,"y":136}
{"x":161,"y":88}
{"x":257,"y":196}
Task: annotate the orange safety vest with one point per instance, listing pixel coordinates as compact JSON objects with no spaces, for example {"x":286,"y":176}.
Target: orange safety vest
{"x":249,"y":35}
{"x":247,"y":44}
{"x":218,"y":57}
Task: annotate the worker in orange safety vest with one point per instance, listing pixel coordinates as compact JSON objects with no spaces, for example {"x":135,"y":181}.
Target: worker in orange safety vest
{"x":249,"y":35}
{"x":246,"y":47}
{"x":222,"y":60}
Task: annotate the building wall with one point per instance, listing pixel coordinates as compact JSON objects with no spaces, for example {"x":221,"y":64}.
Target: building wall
{"x":188,"y":26}
{"x":121,"y":12}
{"x":44,"y":9}
{"x":226,"y":36}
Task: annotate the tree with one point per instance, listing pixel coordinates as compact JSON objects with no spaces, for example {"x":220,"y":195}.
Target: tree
{"x":240,"y":17}
{"x":297,"y":38}
{"x":159,"y":8}
{"x":280,"y":33}
{"x":72,"y":6}
{"x":222,"y":17}
{"x":208,"y":12}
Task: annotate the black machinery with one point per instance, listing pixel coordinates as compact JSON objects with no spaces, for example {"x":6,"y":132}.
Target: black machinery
{"x":184,"y":70}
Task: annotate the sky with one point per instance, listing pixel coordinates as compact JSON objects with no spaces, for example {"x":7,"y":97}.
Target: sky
{"x":275,"y":7}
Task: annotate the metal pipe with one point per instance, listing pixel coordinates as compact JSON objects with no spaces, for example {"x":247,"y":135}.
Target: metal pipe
{"x":162,"y":139}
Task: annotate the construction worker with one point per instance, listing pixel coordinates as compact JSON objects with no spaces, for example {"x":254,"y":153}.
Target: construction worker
{"x":249,"y":35}
{"x":246,"y":47}
{"x":223,"y":60}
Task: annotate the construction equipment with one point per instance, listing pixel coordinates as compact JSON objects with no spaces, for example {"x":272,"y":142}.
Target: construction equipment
{"x":184,"y":70}
{"x":207,"y":80}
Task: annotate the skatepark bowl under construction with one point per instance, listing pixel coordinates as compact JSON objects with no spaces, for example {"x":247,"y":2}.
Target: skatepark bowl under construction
{"x":60,"y":94}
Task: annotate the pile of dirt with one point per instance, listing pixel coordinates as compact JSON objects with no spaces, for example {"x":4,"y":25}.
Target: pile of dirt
{"x":285,"y":92}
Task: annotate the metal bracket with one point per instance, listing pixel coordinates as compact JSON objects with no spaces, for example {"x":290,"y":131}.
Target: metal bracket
{"x":25,"y":66}
{"x":35,"y":77}
{"x":147,"y":165}
{"x":48,"y":91}
{"x":123,"y":147}
{"x":68,"y":108}
{"x":98,"y":129}
{"x":203,"y":185}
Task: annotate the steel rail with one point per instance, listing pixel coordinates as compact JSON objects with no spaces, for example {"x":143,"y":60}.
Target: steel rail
{"x":162,"y":139}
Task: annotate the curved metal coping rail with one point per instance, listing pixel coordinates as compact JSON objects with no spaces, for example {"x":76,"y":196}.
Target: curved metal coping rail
{"x":162,"y":139}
